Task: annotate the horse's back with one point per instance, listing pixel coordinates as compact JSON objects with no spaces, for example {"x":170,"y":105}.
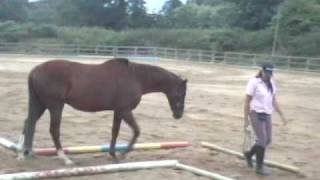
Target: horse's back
{"x":51,"y":69}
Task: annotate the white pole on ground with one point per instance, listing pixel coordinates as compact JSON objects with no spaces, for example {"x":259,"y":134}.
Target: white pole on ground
{"x":8,"y":144}
{"x":202,"y":172}
{"x":240,"y":155}
{"x":90,"y":170}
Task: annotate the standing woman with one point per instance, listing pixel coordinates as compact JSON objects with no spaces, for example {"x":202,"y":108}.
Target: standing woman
{"x":259,"y":104}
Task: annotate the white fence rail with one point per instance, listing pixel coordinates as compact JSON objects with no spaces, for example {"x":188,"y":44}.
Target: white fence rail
{"x":234,"y":58}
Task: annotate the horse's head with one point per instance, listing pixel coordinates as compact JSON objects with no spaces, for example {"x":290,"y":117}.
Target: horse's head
{"x":176,"y":96}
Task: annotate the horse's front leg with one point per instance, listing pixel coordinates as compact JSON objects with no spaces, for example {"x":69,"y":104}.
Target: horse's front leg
{"x":55,"y":121}
{"x":130,"y":120}
{"x":115,"y":131}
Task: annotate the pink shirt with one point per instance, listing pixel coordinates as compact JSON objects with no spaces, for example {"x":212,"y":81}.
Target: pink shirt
{"x":262,"y":98}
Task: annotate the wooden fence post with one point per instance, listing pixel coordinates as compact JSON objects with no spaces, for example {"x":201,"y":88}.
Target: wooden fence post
{"x":307,"y":65}
{"x":289,"y":62}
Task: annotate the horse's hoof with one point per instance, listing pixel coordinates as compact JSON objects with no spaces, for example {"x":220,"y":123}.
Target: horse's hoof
{"x":69,"y":162}
{"x":20,"y":157}
{"x":26,"y":153}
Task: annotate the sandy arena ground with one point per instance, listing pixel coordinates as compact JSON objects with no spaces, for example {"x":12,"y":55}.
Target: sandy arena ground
{"x":213,"y":113}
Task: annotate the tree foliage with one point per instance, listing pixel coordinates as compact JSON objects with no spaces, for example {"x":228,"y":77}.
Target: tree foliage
{"x":239,"y":25}
{"x":15,"y":10}
{"x":169,"y":7}
{"x":256,"y":14}
{"x":137,"y":12}
{"x":300,"y":26}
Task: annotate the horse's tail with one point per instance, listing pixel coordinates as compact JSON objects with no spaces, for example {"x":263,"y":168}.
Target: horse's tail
{"x":35,"y":110}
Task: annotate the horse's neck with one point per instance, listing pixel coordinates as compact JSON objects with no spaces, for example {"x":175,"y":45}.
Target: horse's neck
{"x":153,"y":79}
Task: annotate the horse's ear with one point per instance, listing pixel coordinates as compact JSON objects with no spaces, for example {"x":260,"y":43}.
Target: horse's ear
{"x":185,"y":81}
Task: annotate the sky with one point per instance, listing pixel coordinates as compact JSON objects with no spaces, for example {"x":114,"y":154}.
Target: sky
{"x":156,"y":5}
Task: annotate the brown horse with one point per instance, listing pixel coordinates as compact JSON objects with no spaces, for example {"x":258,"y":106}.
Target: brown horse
{"x":117,"y":85}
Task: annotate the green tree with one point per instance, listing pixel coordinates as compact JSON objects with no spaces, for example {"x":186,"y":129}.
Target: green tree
{"x":106,"y":13}
{"x":15,"y":10}
{"x":256,"y":14}
{"x":299,"y":27}
{"x":44,"y":11}
{"x":206,"y":2}
{"x":137,"y":14}
{"x":116,"y":16}
{"x":299,"y":17}
{"x":169,"y":6}
{"x":202,"y":16}
{"x":166,"y":18}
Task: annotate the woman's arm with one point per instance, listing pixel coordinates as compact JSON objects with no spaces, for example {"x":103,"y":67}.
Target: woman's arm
{"x":246,"y":110}
{"x":278,"y":110}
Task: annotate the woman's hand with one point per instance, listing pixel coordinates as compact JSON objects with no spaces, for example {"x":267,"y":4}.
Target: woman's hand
{"x":284,"y":120}
{"x":277,"y":108}
{"x":246,"y":123}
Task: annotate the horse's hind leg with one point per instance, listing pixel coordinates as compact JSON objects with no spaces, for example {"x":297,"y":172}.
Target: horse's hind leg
{"x":130,"y":120}
{"x":115,"y":131}
{"x":55,"y":121}
{"x":35,"y":110}
{"x":24,"y":146}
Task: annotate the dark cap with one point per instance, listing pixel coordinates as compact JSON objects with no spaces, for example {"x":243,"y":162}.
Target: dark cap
{"x":267,"y":68}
